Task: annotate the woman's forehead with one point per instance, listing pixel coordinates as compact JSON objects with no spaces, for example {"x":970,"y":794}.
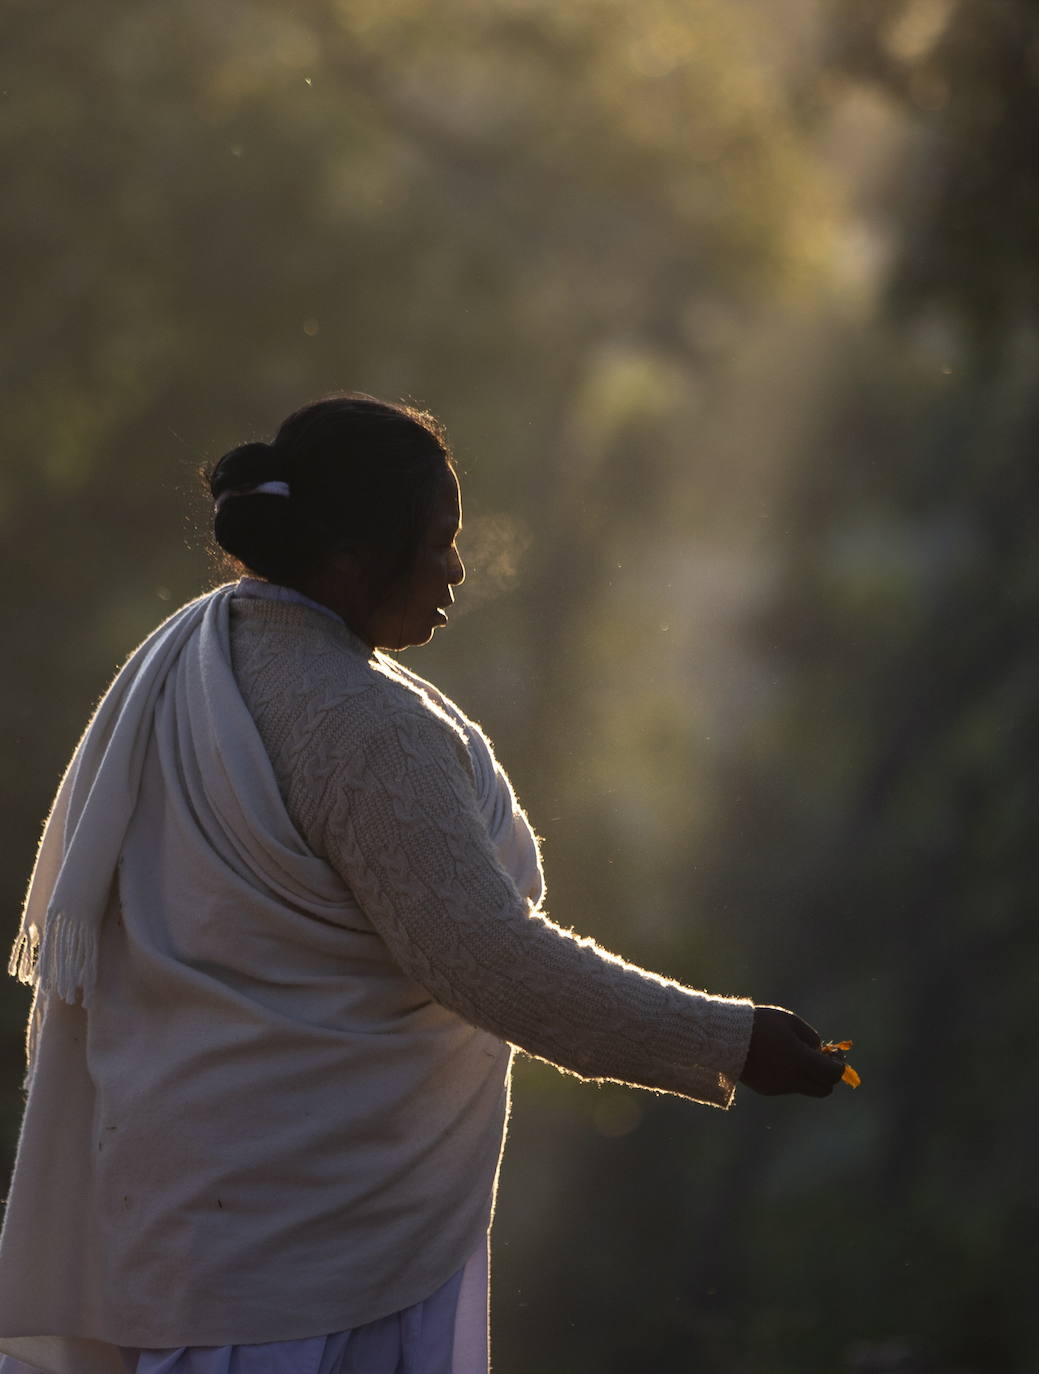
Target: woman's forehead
{"x":447,"y":510}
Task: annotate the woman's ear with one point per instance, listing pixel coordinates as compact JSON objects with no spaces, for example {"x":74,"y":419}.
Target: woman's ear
{"x":342,"y":583}
{"x":347,"y":563}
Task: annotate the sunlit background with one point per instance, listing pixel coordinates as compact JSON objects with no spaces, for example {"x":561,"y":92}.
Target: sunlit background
{"x":730,"y":308}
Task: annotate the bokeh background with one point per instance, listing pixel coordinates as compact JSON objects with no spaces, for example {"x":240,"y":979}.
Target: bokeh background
{"x":730,"y":308}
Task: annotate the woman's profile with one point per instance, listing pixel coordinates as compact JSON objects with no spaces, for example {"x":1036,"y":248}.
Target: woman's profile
{"x":284,"y":930}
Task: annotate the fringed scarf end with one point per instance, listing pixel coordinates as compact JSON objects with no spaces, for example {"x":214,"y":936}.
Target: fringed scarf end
{"x":62,"y":961}
{"x":24,"y":956}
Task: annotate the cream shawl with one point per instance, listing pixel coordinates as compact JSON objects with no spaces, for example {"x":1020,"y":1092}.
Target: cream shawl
{"x":179,"y":683}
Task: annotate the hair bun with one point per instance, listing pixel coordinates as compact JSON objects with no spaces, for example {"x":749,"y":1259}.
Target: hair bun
{"x":246,"y":466}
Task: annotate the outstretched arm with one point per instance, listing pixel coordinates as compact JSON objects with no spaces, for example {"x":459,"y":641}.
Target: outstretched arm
{"x":404,"y":830}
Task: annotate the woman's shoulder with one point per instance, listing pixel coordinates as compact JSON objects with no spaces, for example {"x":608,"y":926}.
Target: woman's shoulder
{"x":311,"y":683}
{"x":480,"y":750}
{"x":413,"y":710}
{"x":432,"y":700}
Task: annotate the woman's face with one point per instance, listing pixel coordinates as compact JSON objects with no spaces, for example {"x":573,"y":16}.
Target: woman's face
{"x":412,"y":613}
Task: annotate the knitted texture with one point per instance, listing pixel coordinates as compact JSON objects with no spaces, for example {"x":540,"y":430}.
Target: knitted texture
{"x":281,"y":1112}
{"x":377,"y":778}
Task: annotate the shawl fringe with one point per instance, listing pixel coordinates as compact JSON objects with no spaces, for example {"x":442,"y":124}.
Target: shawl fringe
{"x":24,"y":955}
{"x":63,"y":960}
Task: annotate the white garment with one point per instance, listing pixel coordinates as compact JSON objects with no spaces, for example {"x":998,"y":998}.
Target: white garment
{"x":229,"y":934}
{"x":70,"y":889}
{"x":446,"y":1334}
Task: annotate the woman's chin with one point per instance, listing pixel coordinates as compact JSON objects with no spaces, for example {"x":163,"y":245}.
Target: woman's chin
{"x":411,"y":634}
{"x":415,"y":638}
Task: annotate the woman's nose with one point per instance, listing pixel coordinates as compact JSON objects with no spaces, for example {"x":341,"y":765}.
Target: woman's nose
{"x":457,"y":572}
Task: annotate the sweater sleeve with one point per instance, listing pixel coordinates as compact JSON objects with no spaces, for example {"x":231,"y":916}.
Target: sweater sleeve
{"x":402,"y":827}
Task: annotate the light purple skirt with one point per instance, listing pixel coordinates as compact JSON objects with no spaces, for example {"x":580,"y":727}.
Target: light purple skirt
{"x":445,"y":1334}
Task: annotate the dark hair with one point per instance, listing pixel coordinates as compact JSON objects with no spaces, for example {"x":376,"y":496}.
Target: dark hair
{"x":363,"y":475}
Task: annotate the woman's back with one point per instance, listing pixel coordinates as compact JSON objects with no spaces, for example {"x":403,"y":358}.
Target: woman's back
{"x":283,"y":1132}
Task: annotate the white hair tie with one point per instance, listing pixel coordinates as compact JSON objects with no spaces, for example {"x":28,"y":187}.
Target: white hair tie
{"x":260,"y":489}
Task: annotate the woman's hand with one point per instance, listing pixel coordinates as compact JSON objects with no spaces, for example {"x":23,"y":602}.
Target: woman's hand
{"x":784,"y":1057}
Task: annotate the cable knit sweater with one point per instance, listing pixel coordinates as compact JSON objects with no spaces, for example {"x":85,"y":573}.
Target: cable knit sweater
{"x":379,"y":782}
{"x":271,"y":1125}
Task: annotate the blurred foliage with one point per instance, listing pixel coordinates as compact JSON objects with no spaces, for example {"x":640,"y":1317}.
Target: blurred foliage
{"x":730,"y":309}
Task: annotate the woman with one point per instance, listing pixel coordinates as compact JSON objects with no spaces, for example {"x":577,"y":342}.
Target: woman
{"x":284,"y":928}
